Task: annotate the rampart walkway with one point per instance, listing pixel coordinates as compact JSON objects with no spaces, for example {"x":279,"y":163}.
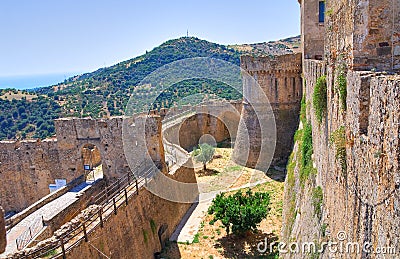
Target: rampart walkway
{"x":46,"y":212}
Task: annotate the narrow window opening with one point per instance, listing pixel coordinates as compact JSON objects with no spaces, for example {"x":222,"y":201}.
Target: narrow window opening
{"x":321,"y":16}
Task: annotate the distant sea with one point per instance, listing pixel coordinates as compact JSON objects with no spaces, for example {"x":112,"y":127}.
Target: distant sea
{"x":33,"y":81}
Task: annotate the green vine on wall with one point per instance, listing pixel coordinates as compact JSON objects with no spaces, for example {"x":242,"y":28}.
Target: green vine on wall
{"x":320,"y":98}
{"x":341,"y":83}
{"x":338,"y":139}
{"x":317,"y":200}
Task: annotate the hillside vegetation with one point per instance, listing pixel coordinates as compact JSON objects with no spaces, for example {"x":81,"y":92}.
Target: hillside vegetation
{"x":105,"y":92}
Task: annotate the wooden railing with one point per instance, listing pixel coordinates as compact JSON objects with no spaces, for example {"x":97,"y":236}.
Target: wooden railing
{"x":110,"y":200}
{"x":28,"y":235}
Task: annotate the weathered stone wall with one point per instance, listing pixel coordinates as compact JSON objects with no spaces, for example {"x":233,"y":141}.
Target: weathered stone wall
{"x":361,"y":198}
{"x":312,"y":31}
{"x":134,"y":231}
{"x":219,"y":120}
{"x":91,"y":155}
{"x":280,"y":80}
{"x":364,"y":34}
{"x":26,"y":169}
{"x":3,"y":240}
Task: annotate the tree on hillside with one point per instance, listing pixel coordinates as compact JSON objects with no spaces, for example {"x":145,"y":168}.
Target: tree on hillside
{"x":204,"y":154}
{"x":240,"y":212}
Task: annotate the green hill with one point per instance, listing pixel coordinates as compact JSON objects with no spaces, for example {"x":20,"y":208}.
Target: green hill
{"x":105,"y":92}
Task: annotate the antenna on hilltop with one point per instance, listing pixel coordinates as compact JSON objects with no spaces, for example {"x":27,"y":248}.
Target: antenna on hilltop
{"x":187,"y":33}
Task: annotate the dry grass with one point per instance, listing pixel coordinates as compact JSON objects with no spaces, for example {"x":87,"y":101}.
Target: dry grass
{"x":18,"y":95}
{"x":211,"y":241}
{"x":222,"y":173}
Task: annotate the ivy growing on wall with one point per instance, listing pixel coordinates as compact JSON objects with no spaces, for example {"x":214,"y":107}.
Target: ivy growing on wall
{"x":306,"y":166}
{"x":320,"y":98}
{"x":341,"y":83}
{"x":338,"y":139}
{"x":317,"y":199}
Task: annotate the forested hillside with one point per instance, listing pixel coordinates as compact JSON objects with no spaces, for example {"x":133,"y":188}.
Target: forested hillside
{"x":106,"y":91}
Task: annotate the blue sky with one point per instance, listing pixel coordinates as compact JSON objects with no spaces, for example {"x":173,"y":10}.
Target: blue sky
{"x":71,"y":36}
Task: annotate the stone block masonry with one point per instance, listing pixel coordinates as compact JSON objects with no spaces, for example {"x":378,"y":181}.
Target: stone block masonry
{"x":28,"y":167}
{"x":280,"y":80}
{"x":3,"y":240}
{"x":139,"y":229}
{"x":361,"y":199}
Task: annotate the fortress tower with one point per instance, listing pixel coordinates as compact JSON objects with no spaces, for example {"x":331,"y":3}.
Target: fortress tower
{"x":279,"y":78}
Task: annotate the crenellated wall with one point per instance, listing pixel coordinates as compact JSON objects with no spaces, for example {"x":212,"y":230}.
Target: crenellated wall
{"x":28,"y":167}
{"x":220,"y":120}
{"x":362,"y":198}
{"x":280,"y":80}
{"x":139,"y":227}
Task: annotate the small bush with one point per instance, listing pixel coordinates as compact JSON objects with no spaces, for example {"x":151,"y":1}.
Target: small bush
{"x":145,"y":236}
{"x":153,"y":226}
{"x":323,"y":229}
{"x":240,"y":212}
{"x":338,"y":139}
{"x":306,"y":147}
{"x":317,"y":199}
{"x":196,"y":238}
{"x":342,"y":87}
{"x":303,"y":110}
{"x":320,"y":98}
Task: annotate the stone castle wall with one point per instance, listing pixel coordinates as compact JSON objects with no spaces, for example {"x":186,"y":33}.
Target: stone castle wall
{"x":3,"y":240}
{"x":219,"y":121}
{"x":363,"y":34}
{"x":139,"y":228}
{"x":363,"y":200}
{"x":28,"y":167}
{"x":312,"y":31}
{"x":26,"y":170}
{"x":280,"y":80}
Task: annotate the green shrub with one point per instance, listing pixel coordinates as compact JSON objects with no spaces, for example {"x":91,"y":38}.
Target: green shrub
{"x":153,"y":226}
{"x":317,"y":199}
{"x":320,"y":98}
{"x":342,"y":87}
{"x":303,"y":110}
{"x":196,"y":238}
{"x":240,"y":212}
{"x":306,"y":147}
{"x":323,"y":229}
{"x":145,"y":236}
{"x":338,"y":139}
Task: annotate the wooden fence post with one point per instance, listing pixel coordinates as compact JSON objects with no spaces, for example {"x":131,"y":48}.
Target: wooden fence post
{"x":115,"y":207}
{"x":101,"y":217}
{"x":126,"y":197}
{"x":64,"y":256}
{"x":137,"y":187}
{"x":84,"y":232}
